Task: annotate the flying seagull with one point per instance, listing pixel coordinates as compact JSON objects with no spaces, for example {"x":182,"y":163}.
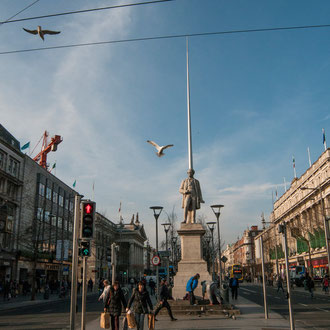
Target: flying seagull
{"x":41,"y":32}
{"x":160,"y":150}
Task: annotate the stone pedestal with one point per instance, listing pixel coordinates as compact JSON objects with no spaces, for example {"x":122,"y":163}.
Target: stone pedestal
{"x":191,"y":260}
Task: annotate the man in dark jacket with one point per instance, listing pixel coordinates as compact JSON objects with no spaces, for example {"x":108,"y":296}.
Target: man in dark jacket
{"x":115,"y":300}
{"x":233,"y":284}
{"x":141,"y":299}
{"x":164,"y":295}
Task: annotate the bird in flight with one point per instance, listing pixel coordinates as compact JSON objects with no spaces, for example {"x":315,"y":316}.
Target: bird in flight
{"x":41,"y":32}
{"x":160,"y":150}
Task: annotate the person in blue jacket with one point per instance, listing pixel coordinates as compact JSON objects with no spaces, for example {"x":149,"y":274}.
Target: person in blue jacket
{"x":191,"y":286}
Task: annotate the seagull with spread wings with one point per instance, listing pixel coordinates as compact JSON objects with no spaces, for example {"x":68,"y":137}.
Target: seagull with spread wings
{"x":41,"y":32}
{"x":160,"y":150}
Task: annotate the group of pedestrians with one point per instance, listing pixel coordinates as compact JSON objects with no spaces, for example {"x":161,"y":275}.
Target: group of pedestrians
{"x":139,"y":302}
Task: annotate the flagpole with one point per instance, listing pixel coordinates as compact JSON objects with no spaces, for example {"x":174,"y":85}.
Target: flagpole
{"x":190,"y":159}
{"x":284,"y":184}
{"x":324,"y":140}
{"x":93,"y":190}
{"x":309,"y":157}
{"x":294,"y":167}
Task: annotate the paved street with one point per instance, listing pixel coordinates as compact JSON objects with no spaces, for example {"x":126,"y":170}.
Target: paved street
{"x":309,"y":313}
{"x":45,"y":314}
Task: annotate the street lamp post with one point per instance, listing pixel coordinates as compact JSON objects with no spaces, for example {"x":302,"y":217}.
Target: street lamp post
{"x":167,"y":227}
{"x":216,"y":210}
{"x":174,"y":241}
{"x":326,"y":228}
{"x":211,"y":226}
{"x":157,"y":211}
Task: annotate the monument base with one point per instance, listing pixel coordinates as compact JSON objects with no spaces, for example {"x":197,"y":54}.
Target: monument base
{"x":191,"y":260}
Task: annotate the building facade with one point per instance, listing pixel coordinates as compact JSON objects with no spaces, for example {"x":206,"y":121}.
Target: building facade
{"x":11,"y":185}
{"x":45,"y":229}
{"x":304,"y":208}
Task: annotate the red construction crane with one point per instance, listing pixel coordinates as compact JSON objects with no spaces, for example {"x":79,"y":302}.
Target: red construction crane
{"x":41,"y":158}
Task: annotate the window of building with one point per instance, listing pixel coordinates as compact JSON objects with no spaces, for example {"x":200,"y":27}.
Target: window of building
{"x":71,"y":206}
{"x":53,"y":221}
{"x":39,"y":213}
{"x":41,"y":189}
{"x":13,"y":166}
{"x":66,"y":203}
{"x":2,"y":185}
{"x":60,"y":200}
{"x":55,"y":197}
{"x":2,"y":160}
{"x":48,"y":193}
{"x":59,"y":222}
{"x":65,"y":224}
{"x":70,"y":227}
{"x":47,"y":218}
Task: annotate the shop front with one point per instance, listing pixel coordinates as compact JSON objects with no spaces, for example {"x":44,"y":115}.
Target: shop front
{"x":320,"y":267}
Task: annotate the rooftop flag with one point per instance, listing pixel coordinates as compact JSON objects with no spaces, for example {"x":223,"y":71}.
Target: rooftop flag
{"x":26,"y":145}
{"x":74,"y":184}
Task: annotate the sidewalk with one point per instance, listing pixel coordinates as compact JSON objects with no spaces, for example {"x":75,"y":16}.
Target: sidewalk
{"x":252,"y":317}
{"x":22,"y":301}
{"x":317,"y":290}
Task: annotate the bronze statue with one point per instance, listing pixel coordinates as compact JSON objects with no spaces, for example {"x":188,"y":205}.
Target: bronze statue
{"x":191,"y":197}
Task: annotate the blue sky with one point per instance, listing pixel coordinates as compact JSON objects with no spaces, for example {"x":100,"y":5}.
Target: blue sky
{"x":256,"y":99}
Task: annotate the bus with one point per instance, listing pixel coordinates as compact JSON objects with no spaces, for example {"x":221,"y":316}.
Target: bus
{"x":236,"y":271}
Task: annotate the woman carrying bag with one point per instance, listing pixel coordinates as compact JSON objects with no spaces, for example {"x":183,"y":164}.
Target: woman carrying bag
{"x":115,"y":302}
{"x":141,"y":299}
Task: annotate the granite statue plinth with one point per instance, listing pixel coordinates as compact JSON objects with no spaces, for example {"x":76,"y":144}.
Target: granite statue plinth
{"x":191,"y":259}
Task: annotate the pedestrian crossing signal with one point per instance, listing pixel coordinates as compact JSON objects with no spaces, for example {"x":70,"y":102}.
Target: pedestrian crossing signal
{"x":85,"y":250}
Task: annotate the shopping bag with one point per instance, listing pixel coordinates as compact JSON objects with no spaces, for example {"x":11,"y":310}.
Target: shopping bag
{"x":151,"y":321}
{"x":124,"y":323}
{"x":105,"y":321}
{"x":130,"y":320}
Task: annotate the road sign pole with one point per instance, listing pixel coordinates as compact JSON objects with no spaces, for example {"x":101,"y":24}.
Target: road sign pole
{"x":263,"y":276}
{"x":83,"y":300}
{"x":74,"y":263}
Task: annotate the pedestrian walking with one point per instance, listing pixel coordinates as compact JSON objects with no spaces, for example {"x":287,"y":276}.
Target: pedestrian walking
{"x":325,"y":284}
{"x":164,"y":295}
{"x":105,"y":293}
{"x":309,"y":284}
{"x":90,"y":285}
{"x":114,"y":302}
{"x":280,"y":284}
{"x":233,"y":284}
{"x":191,"y":286}
{"x":152,"y":285}
{"x":141,"y":299}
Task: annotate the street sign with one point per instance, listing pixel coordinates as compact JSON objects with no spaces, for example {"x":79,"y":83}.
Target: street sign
{"x":164,"y":253}
{"x":155,"y":260}
{"x":224,"y":259}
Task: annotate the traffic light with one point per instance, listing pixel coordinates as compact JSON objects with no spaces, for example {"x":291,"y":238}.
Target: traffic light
{"x":87,"y":223}
{"x":85,"y":250}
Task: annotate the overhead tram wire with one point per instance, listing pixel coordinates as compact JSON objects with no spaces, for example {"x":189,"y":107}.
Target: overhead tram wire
{"x":84,"y":11}
{"x":174,"y":36}
{"x":21,"y":11}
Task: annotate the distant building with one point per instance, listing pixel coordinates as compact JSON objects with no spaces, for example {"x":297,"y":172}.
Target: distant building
{"x":244,"y":250}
